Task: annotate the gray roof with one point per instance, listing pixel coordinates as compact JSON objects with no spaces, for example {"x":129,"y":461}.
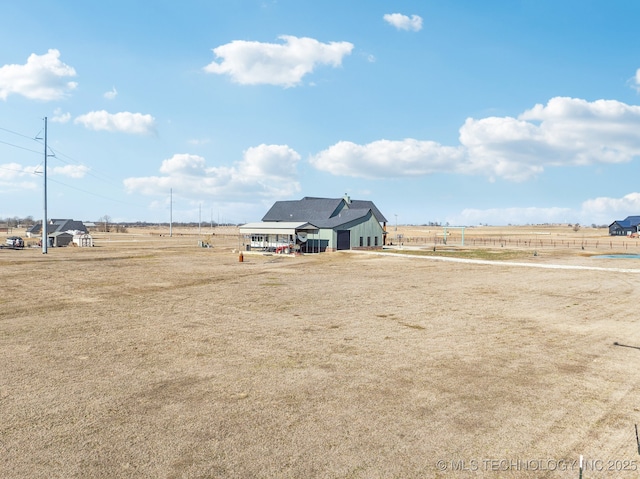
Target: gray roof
{"x":68,"y":225}
{"x":629,"y":222}
{"x":322,"y":212}
{"x":56,"y":225}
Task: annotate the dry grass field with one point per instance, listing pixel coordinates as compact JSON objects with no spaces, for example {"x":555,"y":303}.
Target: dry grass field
{"x":149,"y":357}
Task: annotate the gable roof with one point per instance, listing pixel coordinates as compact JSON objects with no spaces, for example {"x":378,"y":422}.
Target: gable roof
{"x":68,"y":225}
{"x":58,"y":225}
{"x":322,"y":212}
{"x":628,"y":222}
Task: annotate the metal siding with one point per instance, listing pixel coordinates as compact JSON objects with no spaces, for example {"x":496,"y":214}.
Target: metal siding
{"x":330,"y":236}
{"x":369,"y":228}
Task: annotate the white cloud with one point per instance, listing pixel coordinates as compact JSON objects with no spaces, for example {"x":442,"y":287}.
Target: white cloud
{"x":267,"y":171}
{"x":72,"y":171}
{"x":8,"y":187}
{"x":15,"y":177}
{"x":605,"y":210}
{"x":386,"y":158}
{"x":183,"y":164}
{"x":565,"y":132}
{"x":403,"y":22}
{"x":59,"y":117}
{"x":598,"y":211}
{"x":12,"y":171}
{"x":635,"y":81}
{"x":111,"y":94}
{"x":254,"y":63}
{"x":43,"y":77}
{"x":125,"y":122}
{"x":269,"y":163}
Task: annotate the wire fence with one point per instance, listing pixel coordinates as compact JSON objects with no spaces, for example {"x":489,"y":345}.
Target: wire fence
{"x":614,"y":243}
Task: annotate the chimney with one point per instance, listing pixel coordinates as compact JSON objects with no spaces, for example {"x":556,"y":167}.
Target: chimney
{"x":347,"y":200}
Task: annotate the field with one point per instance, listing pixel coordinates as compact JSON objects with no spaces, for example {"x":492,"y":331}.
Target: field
{"x":148,"y":356}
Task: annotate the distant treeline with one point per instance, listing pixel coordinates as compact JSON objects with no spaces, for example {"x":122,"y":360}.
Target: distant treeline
{"x":27,"y":221}
{"x":192,"y":224}
{"x":16,"y":221}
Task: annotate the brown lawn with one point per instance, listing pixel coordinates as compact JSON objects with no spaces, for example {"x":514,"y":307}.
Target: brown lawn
{"x":147,"y":356}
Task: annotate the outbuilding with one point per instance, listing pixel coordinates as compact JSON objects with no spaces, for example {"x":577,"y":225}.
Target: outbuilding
{"x":83,"y":240}
{"x":61,"y":238}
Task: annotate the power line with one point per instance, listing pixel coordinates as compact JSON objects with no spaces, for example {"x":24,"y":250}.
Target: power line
{"x":60,"y":156}
{"x":91,"y":171}
{"x":95,"y":194}
{"x":19,"y":134}
{"x":20,"y":147}
{"x":21,"y":171}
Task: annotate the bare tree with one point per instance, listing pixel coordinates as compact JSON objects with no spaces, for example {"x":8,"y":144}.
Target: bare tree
{"x":106,"y":221}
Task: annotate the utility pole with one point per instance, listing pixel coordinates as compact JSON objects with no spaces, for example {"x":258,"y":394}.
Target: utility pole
{"x":171,"y":212}
{"x":200,"y":218}
{"x":45,"y":239}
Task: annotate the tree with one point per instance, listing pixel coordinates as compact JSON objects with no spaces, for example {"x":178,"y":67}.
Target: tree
{"x":105,"y":220}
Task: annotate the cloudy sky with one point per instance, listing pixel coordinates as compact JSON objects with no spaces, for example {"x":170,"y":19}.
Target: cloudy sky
{"x":459,"y":112}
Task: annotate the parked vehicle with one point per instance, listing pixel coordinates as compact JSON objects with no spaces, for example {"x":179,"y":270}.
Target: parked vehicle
{"x":14,"y":242}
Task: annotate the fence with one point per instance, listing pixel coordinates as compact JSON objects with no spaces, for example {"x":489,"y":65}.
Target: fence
{"x":539,"y":243}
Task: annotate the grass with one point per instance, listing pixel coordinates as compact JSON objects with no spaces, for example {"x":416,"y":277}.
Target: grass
{"x":191,"y":364}
{"x":484,"y":254}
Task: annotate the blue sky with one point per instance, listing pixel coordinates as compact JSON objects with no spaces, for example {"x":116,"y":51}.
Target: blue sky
{"x":459,"y":112}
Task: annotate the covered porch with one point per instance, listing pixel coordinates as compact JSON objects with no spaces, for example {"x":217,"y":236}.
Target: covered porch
{"x":280,"y":237}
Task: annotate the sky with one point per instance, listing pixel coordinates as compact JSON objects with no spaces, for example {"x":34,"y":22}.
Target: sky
{"x":455,"y":112}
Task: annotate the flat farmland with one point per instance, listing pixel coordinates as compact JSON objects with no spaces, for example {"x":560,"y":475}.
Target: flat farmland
{"x":148,"y":356}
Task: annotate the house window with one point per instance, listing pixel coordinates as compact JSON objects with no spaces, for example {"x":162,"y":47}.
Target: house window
{"x":375,"y":240}
{"x":368,"y":240}
{"x":361,"y":241}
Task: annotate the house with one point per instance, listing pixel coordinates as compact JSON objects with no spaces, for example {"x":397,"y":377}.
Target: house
{"x":55,"y":228}
{"x":624,"y":227}
{"x":56,"y":225}
{"x":318,"y":224}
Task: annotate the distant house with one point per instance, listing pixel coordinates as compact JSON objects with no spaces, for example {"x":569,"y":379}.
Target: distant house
{"x":57,"y":225}
{"x":624,"y":227}
{"x":59,"y":231}
{"x":318,"y":224}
